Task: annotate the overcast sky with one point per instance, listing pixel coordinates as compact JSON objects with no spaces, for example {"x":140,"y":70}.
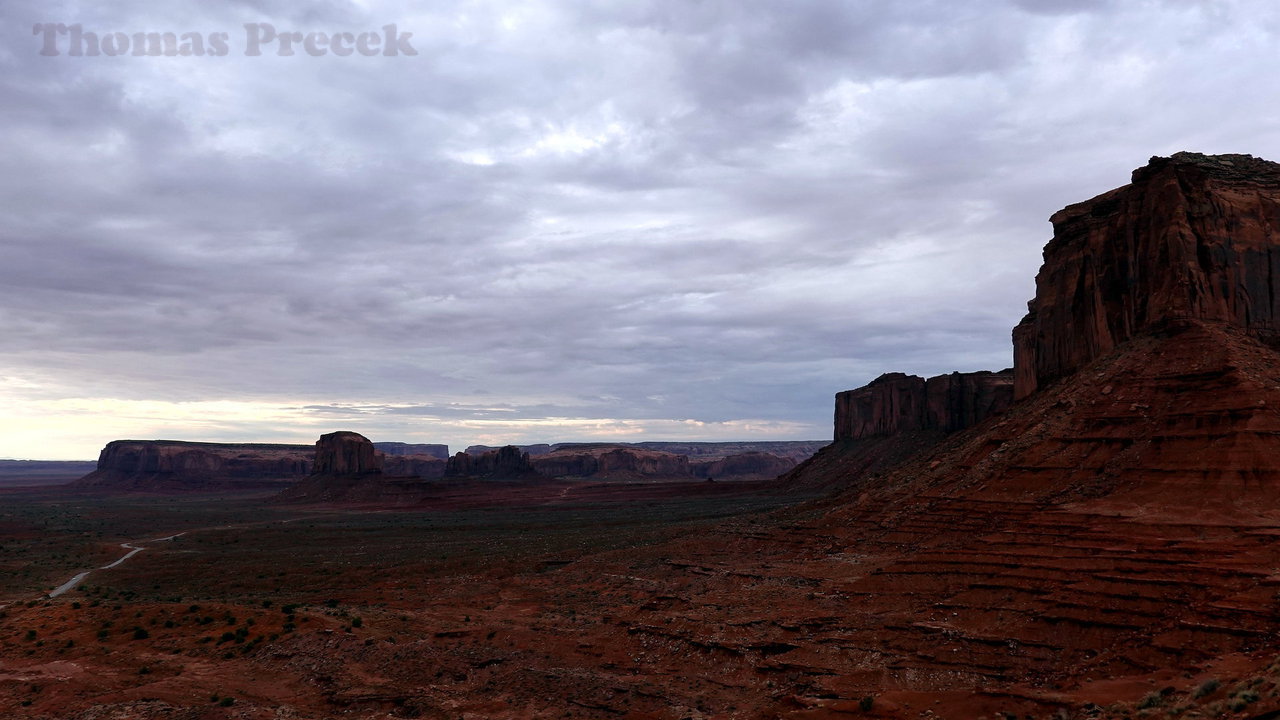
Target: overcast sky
{"x":559,"y":221}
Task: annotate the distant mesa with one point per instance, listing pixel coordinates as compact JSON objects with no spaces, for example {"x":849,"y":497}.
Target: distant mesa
{"x":658,"y":460}
{"x":308,"y":471}
{"x":613,"y":463}
{"x":178,"y":466}
{"x":425,"y":450}
{"x":530,"y":450}
{"x":742,"y":461}
{"x":175,"y":466}
{"x":749,"y":465}
{"x":505,"y":463}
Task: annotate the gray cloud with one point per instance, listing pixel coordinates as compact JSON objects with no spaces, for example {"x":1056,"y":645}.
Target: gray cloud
{"x":639,"y":212}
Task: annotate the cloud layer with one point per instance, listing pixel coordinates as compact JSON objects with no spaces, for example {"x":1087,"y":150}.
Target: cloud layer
{"x":561,"y":221}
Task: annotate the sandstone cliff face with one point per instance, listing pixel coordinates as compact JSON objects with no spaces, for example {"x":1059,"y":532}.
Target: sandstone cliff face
{"x":175,"y":465}
{"x":1192,"y":237}
{"x":345,"y":453}
{"x":895,"y":403}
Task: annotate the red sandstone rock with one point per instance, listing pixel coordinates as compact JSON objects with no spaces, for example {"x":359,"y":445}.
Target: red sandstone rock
{"x":345,"y":453}
{"x":506,"y":463}
{"x":894,"y":403}
{"x":1192,"y":236}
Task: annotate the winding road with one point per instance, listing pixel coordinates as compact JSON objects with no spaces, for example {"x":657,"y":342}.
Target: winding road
{"x":133,"y":550}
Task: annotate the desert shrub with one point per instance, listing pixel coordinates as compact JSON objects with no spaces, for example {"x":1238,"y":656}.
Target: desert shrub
{"x":140,"y":633}
{"x":1151,"y":700}
{"x":1206,"y":688}
{"x":1243,"y":700}
{"x":866,"y":703}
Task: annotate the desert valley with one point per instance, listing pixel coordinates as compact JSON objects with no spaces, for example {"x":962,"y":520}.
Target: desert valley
{"x":1089,"y":534}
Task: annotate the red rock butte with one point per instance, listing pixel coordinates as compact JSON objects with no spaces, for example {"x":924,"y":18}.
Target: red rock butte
{"x":1192,"y":237}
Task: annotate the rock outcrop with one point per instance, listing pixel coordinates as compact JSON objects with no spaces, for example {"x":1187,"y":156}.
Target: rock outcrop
{"x":345,"y":453}
{"x":506,"y":463}
{"x":1192,"y":237}
{"x":171,"y":465}
{"x":895,"y":403}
